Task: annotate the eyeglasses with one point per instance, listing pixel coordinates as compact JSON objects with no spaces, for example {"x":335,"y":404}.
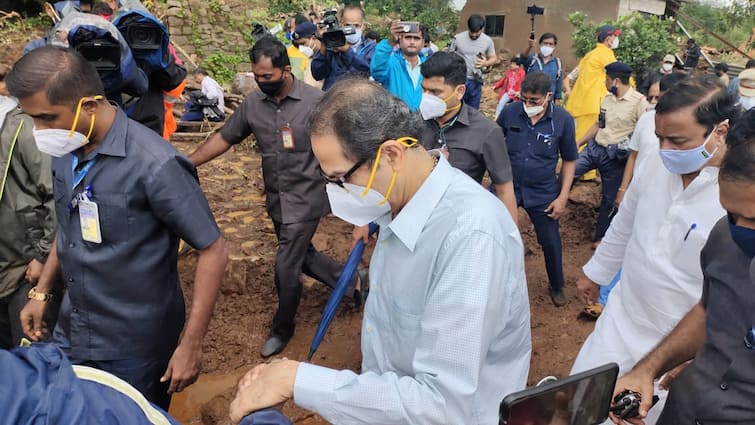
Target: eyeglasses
{"x":532,"y":102}
{"x":345,"y":177}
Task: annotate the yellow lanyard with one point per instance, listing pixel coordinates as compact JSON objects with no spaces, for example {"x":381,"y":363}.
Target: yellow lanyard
{"x":7,"y":163}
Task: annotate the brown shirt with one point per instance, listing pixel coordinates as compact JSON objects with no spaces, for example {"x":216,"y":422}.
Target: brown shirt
{"x":294,"y":189}
{"x":619,"y":116}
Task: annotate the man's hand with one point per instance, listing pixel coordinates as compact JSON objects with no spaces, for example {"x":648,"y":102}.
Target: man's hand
{"x":641,"y":382}
{"x":395,"y":32}
{"x":360,"y":233}
{"x":581,"y":142}
{"x":557,"y":208}
{"x":264,"y":386}
{"x":34,"y":271}
{"x":588,"y":290}
{"x":481,"y":63}
{"x":183,"y":368}
{"x":32,"y":320}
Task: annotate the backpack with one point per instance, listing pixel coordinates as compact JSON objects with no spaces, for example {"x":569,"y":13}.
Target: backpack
{"x":536,"y":61}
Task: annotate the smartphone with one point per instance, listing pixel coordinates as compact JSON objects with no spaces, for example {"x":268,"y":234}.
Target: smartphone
{"x":409,"y":26}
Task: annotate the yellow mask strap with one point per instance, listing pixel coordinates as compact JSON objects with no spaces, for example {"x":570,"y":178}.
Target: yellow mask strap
{"x":78,"y":113}
{"x":446,"y":102}
{"x":407,"y":142}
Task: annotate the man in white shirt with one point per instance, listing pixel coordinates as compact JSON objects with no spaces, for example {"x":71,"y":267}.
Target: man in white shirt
{"x":446,"y":331}
{"x":210,"y":87}
{"x":660,"y":229}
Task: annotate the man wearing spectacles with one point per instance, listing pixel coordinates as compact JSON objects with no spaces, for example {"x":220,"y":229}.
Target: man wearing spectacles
{"x":276,"y":115}
{"x":446,"y":329}
{"x":538,"y":134}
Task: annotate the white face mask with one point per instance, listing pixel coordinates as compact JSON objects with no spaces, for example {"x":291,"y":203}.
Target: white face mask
{"x":306,"y":51}
{"x":531,"y":111}
{"x":354,"y":38}
{"x":747,"y":102}
{"x":431,"y":106}
{"x":57,"y":142}
{"x":667,"y":67}
{"x":546,"y":50}
{"x":615,"y":43}
{"x":348,"y":204}
{"x":689,"y":160}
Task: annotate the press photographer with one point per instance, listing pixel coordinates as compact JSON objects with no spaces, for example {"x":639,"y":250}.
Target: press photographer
{"x":336,"y":56}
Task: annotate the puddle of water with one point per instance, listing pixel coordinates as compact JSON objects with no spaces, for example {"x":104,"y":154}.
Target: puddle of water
{"x":185,"y":406}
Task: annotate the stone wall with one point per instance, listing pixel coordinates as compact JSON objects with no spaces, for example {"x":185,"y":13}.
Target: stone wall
{"x":204,"y":27}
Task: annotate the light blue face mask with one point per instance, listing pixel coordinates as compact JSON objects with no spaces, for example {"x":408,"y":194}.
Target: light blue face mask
{"x":689,"y":160}
{"x":354,"y":38}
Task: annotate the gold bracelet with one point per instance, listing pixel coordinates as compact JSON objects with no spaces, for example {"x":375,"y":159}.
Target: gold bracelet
{"x":39,"y":296}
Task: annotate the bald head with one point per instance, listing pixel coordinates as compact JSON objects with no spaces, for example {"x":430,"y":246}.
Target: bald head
{"x":63,"y":74}
{"x":362,"y":115}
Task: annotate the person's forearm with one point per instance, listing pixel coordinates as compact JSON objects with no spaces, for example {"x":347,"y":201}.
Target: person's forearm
{"x":589,"y":135}
{"x":210,"y":149}
{"x":207,"y":279}
{"x":505,"y":192}
{"x":678,"y":346}
{"x":51,"y":272}
{"x":567,"y":177}
{"x":628,"y":171}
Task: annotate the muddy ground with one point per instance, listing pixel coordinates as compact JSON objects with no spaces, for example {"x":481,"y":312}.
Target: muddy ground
{"x":233,"y":184}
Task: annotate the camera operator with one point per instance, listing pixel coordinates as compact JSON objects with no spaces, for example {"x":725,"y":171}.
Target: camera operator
{"x":330,"y":64}
{"x":353,"y":16}
{"x":399,"y":70}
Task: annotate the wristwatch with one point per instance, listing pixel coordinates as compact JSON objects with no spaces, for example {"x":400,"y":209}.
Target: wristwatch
{"x":39,"y":296}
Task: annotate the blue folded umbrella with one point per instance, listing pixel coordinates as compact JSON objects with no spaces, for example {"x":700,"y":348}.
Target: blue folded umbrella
{"x":352,"y":263}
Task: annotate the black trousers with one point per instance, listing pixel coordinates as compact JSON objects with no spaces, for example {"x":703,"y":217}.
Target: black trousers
{"x":549,"y":238}
{"x":11,"y":331}
{"x":295,"y":255}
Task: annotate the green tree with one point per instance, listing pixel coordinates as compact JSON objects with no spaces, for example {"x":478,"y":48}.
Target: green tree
{"x":280,"y":7}
{"x":643,"y":43}
{"x":437,"y":15}
{"x":734,"y":23}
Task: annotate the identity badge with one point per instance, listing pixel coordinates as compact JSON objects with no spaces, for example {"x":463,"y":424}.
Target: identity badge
{"x":89,"y":218}
{"x":287,"y":136}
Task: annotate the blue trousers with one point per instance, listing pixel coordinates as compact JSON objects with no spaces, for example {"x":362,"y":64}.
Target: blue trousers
{"x":143,"y":374}
{"x":611,"y":169}
{"x":549,"y":238}
{"x":473,"y":93}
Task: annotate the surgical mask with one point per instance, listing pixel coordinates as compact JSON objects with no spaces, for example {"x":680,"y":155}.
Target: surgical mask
{"x":306,"y":51}
{"x":651,"y":107}
{"x":432,"y":106}
{"x":362,"y":205}
{"x":744,"y":238}
{"x":615,"y":43}
{"x":546,"y":50}
{"x":348,"y":204}
{"x":58,"y":142}
{"x":667,"y":67}
{"x":747,"y":102}
{"x":354,"y":38}
{"x":531,"y":111}
{"x":689,"y":160}
{"x":271,"y":88}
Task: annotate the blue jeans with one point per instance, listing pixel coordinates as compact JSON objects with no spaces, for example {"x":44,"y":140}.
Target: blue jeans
{"x":472,"y":93}
{"x":549,"y":238}
{"x":143,"y":374}
{"x":611,"y":169}
{"x":501,"y":103}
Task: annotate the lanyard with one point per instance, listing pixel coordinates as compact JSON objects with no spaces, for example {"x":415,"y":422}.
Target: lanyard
{"x":78,"y":177}
{"x":10,"y":156}
{"x":442,"y":131}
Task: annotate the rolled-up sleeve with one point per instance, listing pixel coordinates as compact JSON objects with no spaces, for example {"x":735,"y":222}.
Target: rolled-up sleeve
{"x":178,"y":201}
{"x":473,"y":280}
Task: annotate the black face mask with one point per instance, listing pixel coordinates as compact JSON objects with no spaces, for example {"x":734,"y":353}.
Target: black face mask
{"x":271,"y":88}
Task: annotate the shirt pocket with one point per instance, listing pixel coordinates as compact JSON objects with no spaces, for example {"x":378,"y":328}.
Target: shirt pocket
{"x":113,"y":214}
{"x":404,"y":331}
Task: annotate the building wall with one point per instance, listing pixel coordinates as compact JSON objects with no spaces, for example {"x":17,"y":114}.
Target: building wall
{"x":517,"y":22}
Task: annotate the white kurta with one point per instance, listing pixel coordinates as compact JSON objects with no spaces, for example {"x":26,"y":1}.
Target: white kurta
{"x":644,"y":140}
{"x":651,"y":240}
